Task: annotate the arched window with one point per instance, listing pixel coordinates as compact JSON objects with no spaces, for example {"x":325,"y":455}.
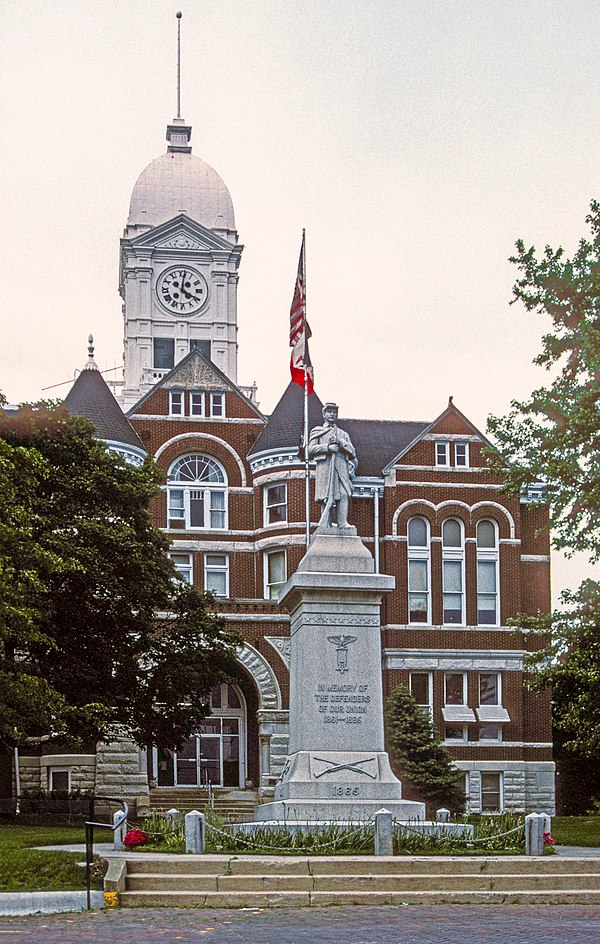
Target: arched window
{"x":487,"y":573}
{"x":197,"y":493}
{"x":419,"y":597}
{"x":453,"y":571}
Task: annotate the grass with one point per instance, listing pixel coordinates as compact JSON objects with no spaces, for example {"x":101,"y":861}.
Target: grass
{"x":332,"y":840}
{"x":23,"y":869}
{"x":576,"y":830}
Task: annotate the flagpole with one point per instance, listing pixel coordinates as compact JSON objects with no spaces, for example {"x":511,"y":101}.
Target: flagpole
{"x":306,"y":459}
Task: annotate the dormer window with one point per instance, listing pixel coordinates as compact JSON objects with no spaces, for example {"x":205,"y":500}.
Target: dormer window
{"x":176,"y":404}
{"x":442,"y":453}
{"x":461,"y":455}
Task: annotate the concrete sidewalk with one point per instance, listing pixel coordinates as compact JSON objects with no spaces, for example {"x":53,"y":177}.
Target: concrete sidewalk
{"x":31,"y":903}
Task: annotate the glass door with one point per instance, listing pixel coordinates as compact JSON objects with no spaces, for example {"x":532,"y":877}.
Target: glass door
{"x":187,"y":763}
{"x":220,"y":752}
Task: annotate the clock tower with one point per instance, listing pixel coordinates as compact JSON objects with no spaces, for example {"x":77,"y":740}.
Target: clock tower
{"x":179,"y":268}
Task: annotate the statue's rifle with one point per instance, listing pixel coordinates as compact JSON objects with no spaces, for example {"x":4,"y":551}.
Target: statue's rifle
{"x":329,"y":502}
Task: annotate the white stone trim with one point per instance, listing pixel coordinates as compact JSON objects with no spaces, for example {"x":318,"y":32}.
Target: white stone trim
{"x":281,"y":645}
{"x":255,"y":617}
{"x":273,"y":457}
{"x":500,"y":765}
{"x":459,"y":659}
{"x":536,"y":558}
{"x":449,"y":502}
{"x":210,"y":438}
{"x":263,"y":675}
{"x":449,"y":484}
{"x":452,"y":437}
{"x":196,"y":419}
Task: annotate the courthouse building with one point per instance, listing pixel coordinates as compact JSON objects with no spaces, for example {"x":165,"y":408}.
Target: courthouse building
{"x":466,"y":557}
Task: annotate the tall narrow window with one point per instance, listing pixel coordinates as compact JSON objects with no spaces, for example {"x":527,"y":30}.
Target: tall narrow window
{"x":275,"y":571}
{"x":487,"y":573}
{"x":275,"y":498}
{"x":164,"y":353}
{"x":442,"y":453}
{"x":198,"y":344}
{"x":491,"y":792}
{"x":183,"y":565}
{"x":197,"y":493}
{"x":216,"y":574}
{"x":196,"y":403}
{"x":453,"y":562}
{"x":461,"y":455}
{"x":217,"y":404}
{"x":418,"y":571}
{"x":176,"y":403}
{"x":421,"y":688}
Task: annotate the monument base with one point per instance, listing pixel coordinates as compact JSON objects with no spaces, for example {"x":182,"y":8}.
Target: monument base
{"x":338,"y":785}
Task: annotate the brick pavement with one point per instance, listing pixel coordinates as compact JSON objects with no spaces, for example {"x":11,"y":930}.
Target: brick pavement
{"x":411,"y":924}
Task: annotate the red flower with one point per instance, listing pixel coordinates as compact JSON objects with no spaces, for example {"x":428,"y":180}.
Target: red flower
{"x":135,"y":837}
{"x":548,"y":840}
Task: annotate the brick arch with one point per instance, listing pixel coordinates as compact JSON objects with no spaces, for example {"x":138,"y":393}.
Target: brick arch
{"x":210,"y":445}
{"x":413,"y":508}
{"x":498,"y":513}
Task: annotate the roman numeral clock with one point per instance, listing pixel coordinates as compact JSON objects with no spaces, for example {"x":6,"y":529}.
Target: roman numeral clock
{"x":182,"y":290}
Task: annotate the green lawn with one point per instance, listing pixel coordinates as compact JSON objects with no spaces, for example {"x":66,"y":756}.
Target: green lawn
{"x":576,"y":830}
{"x":23,"y":869}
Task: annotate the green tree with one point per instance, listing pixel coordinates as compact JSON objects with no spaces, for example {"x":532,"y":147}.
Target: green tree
{"x":554,"y":438}
{"x":423,"y":757}
{"x":97,"y":633}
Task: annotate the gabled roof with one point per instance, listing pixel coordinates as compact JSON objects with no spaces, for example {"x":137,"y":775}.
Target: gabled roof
{"x":183,"y":233}
{"x":429,"y":428}
{"x":195,"y":370}
{"x":375,"y":441}
{"x":90,"y":397}
{"x":285,"y":425}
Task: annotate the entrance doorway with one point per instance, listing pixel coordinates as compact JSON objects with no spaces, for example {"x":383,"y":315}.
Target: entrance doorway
{"x":216,"y":753}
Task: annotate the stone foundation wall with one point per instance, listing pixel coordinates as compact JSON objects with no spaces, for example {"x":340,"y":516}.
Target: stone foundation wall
{"x":34,"y":771}
{"x":121,"y":772}
{"x":273,"y":737}
{"x":528,"y":786}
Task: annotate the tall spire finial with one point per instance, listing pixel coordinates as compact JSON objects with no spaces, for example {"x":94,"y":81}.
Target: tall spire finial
{"x":178,"y":133}
{"x":91,"y":363}
{"x":178,"y":15}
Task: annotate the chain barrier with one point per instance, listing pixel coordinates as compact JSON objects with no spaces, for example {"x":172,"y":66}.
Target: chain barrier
{"x":400,"y":827}
{"x":262,"y":845}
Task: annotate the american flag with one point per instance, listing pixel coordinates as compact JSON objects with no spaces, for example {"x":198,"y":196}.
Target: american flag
{"x":300,"y":332}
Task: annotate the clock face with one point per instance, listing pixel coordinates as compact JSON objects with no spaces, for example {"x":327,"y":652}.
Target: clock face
{"x":182,"y":290}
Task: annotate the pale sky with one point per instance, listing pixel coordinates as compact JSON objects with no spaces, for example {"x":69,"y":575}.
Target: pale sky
{"x":415,"y":140}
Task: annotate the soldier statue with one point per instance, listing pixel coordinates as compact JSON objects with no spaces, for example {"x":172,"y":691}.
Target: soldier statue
{"x":335,"y":458}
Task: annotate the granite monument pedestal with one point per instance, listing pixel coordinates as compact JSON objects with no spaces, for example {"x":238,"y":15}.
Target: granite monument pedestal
{"x":337,"y":768}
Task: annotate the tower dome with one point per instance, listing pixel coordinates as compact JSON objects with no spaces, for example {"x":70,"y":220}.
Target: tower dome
{"x":179,"y":182}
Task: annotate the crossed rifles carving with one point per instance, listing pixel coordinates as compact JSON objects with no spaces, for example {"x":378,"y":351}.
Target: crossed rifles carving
{"x":355,"y":767}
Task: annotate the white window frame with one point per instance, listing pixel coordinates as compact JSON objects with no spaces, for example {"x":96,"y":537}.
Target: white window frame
{"x":465,"y":464}
{"x":490,"y":740}
{"x":217,"y":568}
{"x":59,"y":770}
{"x":498,"y":687}
{"x":465,"y":689}
{"x":456,"y":554}
{"x":416,"y":553}
{"x":221,"y":399}
{"x":489,"y":555}
{"x":428,"y":708}
{"x":456,"y":725}
{"x":209,"y":489}
{"x":266,"y":506}
{"x":197,"y":395}
{"x":184,"y":570}
{"x":500,"y":775}
{"x":266,"y":585}
{"x":176,"y":397}
{"x":442,"y":446}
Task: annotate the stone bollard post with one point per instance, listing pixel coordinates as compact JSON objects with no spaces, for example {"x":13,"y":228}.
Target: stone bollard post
{"x":172,"y":817}
{"x":384,"y":833}
{"x":442,"y":815}
{"x":119,"y":832}
{"x":195,"y":832}
{"x":534,"y":834}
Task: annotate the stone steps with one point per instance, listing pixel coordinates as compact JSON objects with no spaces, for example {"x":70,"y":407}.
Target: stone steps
{"x":271,"y":881}
{"x":234,"y":804}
